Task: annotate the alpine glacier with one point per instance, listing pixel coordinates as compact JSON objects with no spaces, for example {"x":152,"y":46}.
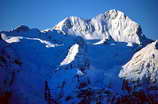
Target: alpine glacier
{"x":103,"y":60}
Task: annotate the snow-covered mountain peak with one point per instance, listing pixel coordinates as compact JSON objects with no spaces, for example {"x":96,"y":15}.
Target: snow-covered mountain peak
{"x":22,"y":28}
{"x":111,"y":25}
{"x":143,"y":67}
{"x":69,"y":23}
{"x":114,"y":13}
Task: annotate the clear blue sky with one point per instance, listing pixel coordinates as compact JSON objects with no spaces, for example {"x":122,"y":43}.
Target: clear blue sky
{"x":44,"y":14}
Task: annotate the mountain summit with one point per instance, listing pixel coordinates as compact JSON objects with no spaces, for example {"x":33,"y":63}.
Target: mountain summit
{"x":111,"y":25}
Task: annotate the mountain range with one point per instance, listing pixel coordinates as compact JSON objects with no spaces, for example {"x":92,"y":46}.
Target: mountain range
{"x":103,"y":60}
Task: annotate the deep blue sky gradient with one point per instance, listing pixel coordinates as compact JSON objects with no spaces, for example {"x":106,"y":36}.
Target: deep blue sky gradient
{"x":45,"y":14}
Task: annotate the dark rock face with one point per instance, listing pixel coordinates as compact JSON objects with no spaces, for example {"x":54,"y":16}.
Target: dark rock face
{"x":139,"y":97}
{"x":156,"y":45}
{"x":4,"y":99}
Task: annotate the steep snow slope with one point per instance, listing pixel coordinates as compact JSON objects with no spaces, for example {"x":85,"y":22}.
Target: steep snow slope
{"x":143,"y":67}
{"x":111,"y":25}
{"x":71,"y":55}
{"x":38,"y":55}
{"x":77,"y":56}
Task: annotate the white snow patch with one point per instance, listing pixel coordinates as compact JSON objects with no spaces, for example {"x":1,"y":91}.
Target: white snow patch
{"x":11,"y":39}
{"x":14,"y":39}
{"x":79,"y":72}
{"x":100,"y":42}
{"x":48,"y":44}
{"x":129,"y":44}
{"x":71,"y":55}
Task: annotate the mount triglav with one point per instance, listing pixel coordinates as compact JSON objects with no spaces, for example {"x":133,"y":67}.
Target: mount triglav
{"x":103,"y":60}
